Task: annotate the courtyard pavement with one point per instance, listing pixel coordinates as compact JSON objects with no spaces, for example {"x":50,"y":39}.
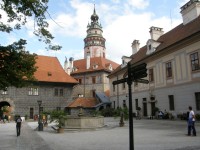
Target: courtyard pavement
{"x":148,"y":135}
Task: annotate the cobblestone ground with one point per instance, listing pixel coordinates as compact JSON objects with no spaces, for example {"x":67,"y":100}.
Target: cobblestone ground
{"x":148,"y":135}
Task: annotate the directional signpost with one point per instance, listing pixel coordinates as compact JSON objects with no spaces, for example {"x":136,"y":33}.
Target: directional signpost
{"x":135,"y":74}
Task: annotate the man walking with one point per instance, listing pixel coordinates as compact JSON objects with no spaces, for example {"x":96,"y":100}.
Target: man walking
{"x":191,"y":122}
{"x":18,"y":125}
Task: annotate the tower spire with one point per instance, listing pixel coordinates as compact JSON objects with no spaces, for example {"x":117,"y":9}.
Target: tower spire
{"x":94,"y":41}
{"x":94,"y":8}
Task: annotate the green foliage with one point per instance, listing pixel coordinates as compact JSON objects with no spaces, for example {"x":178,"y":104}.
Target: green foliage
{"x":120,"y":111}
{"x":16,"y":64}
{"x":111,"y":112}
{"x":19,"y":10}
{"x":96,"y":113}
{"x":197,"y":116}
{"x":59,"y":117}
{"x":4,"y":109}
{"x":108,"y":112}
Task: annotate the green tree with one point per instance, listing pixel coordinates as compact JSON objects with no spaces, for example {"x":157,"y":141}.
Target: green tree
{"x":16,"y":64}
{"x":59,"y":117}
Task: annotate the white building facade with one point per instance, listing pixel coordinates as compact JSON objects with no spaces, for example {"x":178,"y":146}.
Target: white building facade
{"x":173,"y":63}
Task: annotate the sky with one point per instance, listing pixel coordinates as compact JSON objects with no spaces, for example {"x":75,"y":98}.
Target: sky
{"x":123,"y":21}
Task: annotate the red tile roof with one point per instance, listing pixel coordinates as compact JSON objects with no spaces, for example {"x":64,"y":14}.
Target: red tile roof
{"x":84,"y":102}
{"x":102,"y":63}
{"x":168,"y":39}
{"x":179,"y":33}
{"x":50,"y":70}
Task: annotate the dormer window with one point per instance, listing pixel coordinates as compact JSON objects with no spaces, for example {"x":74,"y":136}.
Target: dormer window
{"x":49,"y":74}
{"x":74,"y":69}
{"x":95,"y":66}
{"x":110,"y":67}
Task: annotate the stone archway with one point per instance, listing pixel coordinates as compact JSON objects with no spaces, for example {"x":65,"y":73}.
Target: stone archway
{"x":9,"y":103}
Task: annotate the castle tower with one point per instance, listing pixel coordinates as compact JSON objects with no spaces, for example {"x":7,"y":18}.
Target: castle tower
{"x":94,"y":41}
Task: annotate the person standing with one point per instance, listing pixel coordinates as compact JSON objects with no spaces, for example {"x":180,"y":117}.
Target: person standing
{"x":18,"y":125}
{"x":191,"y":122}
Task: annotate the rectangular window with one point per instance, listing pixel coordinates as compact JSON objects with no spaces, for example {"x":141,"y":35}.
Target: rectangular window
{"x":56,"y":92}
{"x":136,"y":104}
{"x":194,"y":61}
{"x":4,"y":92}
{"x":58,"y":108}
{"x":33,"y":91}
{"x":98,"y":79}
{"x":61,"y":92}
{"x":93,"y":80}
{"x":124,"y":103}
{"x":197,"y":96}
{"x":171,"y":102}
{"x":86,"y":80}
{"x":151,"y":76}
{"x":169,"y":70}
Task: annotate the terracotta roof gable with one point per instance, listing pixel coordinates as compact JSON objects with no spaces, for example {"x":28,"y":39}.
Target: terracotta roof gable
{"x":50,"y":70}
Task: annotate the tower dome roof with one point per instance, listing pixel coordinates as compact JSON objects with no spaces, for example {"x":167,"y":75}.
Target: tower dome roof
{"x":94,"y":16}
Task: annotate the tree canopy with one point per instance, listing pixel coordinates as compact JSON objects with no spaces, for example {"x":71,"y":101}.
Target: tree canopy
{"x":16,"y":64}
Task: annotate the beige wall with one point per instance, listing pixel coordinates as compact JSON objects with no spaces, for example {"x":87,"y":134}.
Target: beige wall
{"x":184,"y":81}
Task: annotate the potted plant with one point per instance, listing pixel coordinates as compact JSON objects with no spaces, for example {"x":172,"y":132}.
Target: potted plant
{"x":59,"y":117}
{"x":45,"y":118}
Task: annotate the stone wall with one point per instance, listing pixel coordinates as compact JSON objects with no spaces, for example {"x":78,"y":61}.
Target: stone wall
{"x":21,"y":102}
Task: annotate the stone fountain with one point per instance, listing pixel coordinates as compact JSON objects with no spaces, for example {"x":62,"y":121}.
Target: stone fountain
{"x":81,"y":121}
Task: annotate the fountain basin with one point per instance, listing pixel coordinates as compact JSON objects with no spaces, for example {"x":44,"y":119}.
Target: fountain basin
{"x":84,"y":122}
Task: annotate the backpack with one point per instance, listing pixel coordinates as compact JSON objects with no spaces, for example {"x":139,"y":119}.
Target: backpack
{"x":19,"y":120}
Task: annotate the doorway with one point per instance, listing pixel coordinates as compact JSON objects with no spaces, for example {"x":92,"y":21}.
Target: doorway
{"x":144,"y":107}
{"x":5,"y":109}
{"x":31,"y":113}
{"x":153,"y":105}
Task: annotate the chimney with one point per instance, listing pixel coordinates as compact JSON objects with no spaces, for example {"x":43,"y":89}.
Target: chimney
{"x":68,"y":71}
{"x":155,"y":33}
{"x":135,"y":46}
{"x":190,"y":11}
{"x":88,"y":61}
{"x":65,"y":64}
{"x":71,"y":60}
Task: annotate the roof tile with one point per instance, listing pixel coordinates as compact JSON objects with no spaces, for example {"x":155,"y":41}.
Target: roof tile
{"x":50,"y":70}
{"x":84,"y":102}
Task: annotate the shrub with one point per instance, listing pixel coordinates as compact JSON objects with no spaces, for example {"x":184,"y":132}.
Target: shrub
{"x":59,"y":117}
{"x":197,"y":116}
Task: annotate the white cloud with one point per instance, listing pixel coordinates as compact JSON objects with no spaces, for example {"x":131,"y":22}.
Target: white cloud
{"x":122,"y":31}
{"x":73,"y":24}
{"x":116,"y":1}
{"x":139,"y":4}
{"x":121,"y":25}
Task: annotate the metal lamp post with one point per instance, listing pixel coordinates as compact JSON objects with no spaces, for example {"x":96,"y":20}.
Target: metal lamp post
{"x":40,"y":125}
